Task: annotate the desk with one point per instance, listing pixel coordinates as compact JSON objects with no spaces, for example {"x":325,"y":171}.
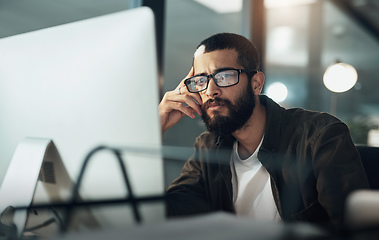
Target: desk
{"x":217,"y":226}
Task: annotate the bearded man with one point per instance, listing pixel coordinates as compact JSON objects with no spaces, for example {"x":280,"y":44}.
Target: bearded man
{"x":269,"y":163}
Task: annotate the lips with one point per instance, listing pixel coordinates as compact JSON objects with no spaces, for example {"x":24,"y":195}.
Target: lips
{"x":214,"y":104}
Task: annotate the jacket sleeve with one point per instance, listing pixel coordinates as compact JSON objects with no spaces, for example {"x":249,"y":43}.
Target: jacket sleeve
{"x":187,"y":195}
{"x":338,"y":169}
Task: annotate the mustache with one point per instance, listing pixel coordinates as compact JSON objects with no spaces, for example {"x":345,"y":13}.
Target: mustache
{"x":218,"y":101}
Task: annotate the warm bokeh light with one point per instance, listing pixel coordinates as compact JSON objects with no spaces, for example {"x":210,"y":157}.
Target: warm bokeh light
{"x":340,"y":77}
{"x":277,"y":91}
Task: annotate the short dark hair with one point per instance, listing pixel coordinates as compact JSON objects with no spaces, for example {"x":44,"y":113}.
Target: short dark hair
{"x":248,"y":56}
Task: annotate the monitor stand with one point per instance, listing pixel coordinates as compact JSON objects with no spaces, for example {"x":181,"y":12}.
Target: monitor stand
{"x":36,"y":175}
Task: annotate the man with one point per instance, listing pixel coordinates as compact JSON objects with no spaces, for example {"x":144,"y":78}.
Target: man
{"x":270,"y":163}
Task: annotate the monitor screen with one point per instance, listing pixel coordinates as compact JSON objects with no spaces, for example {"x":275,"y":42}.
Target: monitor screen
{"x":85,"y":84}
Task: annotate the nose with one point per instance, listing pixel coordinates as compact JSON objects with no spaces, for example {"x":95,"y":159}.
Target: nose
{"x":213,"y":90}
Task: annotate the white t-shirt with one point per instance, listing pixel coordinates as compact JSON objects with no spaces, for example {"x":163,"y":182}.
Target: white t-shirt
{"x":252,"y":194}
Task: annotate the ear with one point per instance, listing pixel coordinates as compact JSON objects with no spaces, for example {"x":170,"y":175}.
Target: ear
{"x":257,"y":82}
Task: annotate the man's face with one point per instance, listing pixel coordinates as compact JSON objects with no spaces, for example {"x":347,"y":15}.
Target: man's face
{"x":225,"y":109}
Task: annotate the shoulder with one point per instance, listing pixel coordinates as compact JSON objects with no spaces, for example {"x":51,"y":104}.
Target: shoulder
{"x":296,"y":116}
{"x":311,"y":116}
{"x":313,"y":125}
{"x":313,"y":120}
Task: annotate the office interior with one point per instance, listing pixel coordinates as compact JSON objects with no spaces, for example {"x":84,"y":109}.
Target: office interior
{"x":298,"y":41}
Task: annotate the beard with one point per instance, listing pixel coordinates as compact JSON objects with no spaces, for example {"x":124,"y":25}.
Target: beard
{"x":238,"y":113}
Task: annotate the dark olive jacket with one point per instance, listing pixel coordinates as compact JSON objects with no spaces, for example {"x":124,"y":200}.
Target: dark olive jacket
{"x":310,"y":157}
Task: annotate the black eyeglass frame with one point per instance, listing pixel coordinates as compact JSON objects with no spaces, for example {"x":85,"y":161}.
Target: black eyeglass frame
{"x":239,"y":71}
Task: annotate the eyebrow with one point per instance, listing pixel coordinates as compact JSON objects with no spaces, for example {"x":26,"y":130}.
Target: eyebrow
{"x":216,"y":71}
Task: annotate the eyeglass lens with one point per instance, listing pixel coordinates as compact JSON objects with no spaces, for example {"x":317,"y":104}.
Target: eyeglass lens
{"x":222,"y":79}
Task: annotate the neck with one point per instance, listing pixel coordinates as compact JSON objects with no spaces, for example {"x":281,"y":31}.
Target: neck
{"x":250,"y":135}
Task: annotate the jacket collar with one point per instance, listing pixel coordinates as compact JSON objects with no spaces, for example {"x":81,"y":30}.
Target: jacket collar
{"x":273,"y":120}
{"x":267,"y":154}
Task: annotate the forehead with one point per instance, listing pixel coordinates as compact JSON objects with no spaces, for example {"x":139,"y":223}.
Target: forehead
{"x":211,"y":61}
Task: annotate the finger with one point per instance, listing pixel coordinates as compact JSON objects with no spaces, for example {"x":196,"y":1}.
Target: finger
{"x":181,"y":84}
{"x":193,"y":104}
{"x":196,"y":96}
{"x":171,"y":101}
{"x":184,"y":109}
{"x":190,"y":73}
{"x":187,"y":99}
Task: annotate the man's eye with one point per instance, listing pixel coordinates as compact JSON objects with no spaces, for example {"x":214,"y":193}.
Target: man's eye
{"x":222,"y":77}
{"x":228,"y":75}
{"x":225,"y":75}
{"x":201,"y":81}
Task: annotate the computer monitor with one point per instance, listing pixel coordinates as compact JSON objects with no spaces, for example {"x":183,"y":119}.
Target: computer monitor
{"x":82,"y":85}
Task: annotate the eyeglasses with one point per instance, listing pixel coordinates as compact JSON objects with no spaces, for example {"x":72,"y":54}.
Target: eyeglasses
{"x":223,"y":78}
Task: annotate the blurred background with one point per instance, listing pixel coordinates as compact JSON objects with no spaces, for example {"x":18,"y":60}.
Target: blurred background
{"x":298,"y":41}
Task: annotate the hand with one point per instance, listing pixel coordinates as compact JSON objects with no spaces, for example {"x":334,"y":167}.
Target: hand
{"x":178,"y":103}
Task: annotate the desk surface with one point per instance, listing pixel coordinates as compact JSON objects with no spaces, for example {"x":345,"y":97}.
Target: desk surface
{"x":212,"y":226}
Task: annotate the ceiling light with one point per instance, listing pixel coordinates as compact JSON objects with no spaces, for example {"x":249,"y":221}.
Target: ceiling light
{"x":340,"y":77}
{"x":277,"y":91}
{"x":281,"y":38}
